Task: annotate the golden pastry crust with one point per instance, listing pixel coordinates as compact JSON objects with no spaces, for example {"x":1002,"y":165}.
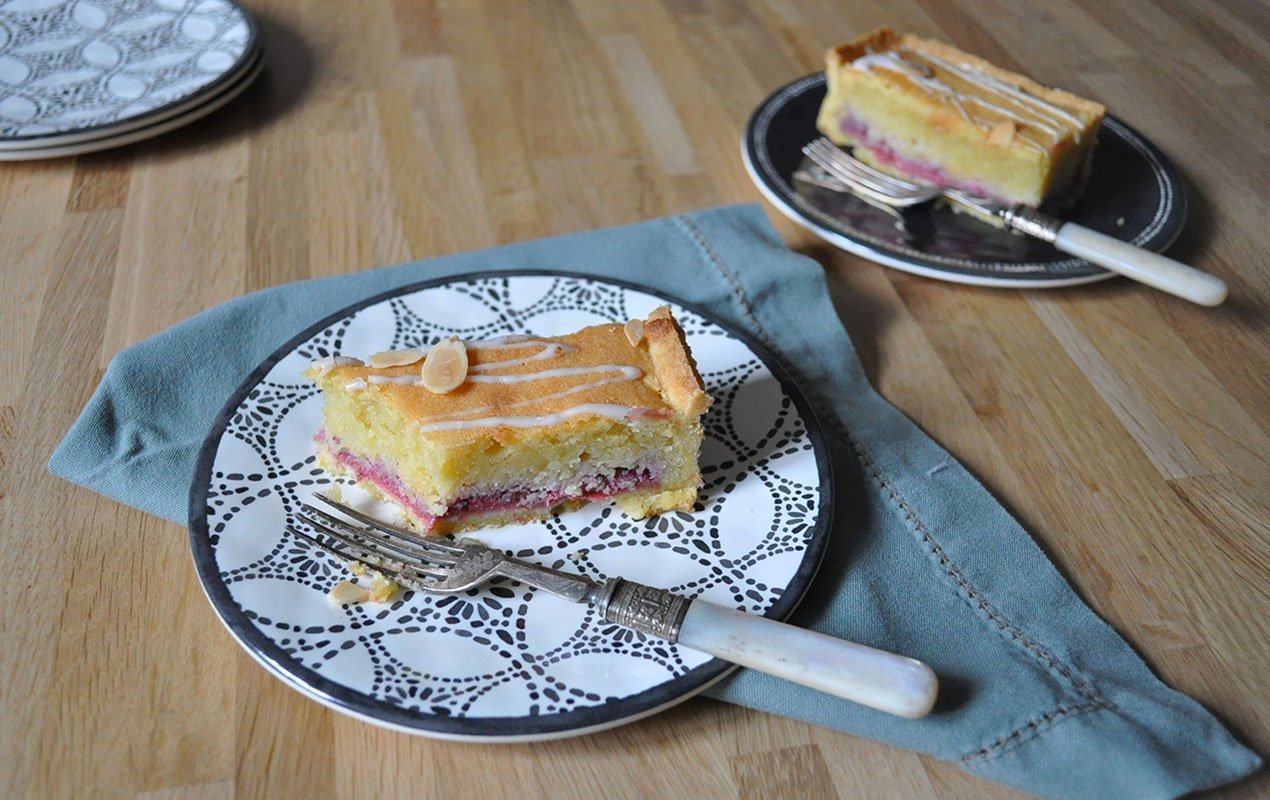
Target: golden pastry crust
{"x":670,"y":382}
{"x":673,"y":364}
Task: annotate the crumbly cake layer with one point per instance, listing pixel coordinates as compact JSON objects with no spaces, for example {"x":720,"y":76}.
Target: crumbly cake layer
{"x":925,"y":110}
{"x":538,"y":422}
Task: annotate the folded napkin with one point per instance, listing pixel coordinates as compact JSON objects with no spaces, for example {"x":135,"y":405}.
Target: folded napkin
{"x":1037,"y":692}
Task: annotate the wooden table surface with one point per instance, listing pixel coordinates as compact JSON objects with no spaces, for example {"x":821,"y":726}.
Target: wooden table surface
{"x":1125,"y":428}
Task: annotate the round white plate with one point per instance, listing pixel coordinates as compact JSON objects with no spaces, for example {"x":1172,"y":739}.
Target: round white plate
{"x":506,"y":662}
{"x":95,"y":68}
{"x":233,"y":80}
{"x":198,"y":110}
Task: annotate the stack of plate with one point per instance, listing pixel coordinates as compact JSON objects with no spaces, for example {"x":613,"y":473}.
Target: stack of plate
{"x":78,"y":76}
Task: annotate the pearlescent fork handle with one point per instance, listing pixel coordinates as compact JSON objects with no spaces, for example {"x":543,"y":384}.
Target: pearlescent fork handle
{"x":874,"y":678}
{"x":1141,"y":265}
{"x":1129,"y":260}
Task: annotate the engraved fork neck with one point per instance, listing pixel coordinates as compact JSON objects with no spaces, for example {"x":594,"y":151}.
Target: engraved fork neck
{"x":576,"y":588}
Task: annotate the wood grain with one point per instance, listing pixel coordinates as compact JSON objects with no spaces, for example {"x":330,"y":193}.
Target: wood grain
{"x":1126,"y":429}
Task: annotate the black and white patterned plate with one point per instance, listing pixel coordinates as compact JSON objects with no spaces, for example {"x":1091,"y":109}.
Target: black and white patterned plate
{"x":506,"y":662}
{"x":1134,"y":194}
{"x":75,"y":70}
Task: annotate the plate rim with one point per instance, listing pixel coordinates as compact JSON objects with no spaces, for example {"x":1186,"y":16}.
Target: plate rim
{"x":491,"y":729}
{"x":1162,"y":231}
{"x":251,"y":47}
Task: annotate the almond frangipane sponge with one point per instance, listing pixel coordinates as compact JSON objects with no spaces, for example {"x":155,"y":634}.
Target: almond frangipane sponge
{"x":529,"y":425}
{"x":923,"y":109}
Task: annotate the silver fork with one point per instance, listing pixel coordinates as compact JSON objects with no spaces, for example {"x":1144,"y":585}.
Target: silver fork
{"x":884,"y":681}
{"x":1141,"y":265}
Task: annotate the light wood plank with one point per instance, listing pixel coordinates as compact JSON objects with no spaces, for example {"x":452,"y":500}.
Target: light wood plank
{"x":1125,"y":429}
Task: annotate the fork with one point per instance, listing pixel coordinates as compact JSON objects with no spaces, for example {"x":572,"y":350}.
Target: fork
{"x":1141,"y":265}
{"x":874,"y":678}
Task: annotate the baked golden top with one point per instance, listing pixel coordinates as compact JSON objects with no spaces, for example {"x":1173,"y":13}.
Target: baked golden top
{"x":976,"y":89}
{"x":515,"y":385}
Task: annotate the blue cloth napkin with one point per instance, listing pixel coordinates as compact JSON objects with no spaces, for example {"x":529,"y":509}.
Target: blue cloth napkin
{"x":1037,"y":692}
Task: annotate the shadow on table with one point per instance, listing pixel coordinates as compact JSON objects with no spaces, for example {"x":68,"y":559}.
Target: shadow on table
{"x":290,"y":67}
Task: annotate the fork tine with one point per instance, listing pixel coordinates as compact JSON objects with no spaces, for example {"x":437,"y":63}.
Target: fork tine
{"x":380,"y":525}
{"x":871,"y":194}
{"x":405,"y":576}
{"x":848,"y":168}
{"x":376,"y":548}
{"x":852,"y":171}
{"x":866,"y":170}
{"x":829,"y":159}
{"x":403,"y":548}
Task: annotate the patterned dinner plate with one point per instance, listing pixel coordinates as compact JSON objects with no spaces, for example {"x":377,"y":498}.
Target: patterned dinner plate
{"x":76,"y":70}
{"x":129,"y":135}
{"x":506,"y":662}
{"x":1134,"y":194}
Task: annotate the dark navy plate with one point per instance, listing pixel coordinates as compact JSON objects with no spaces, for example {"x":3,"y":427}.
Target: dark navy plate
{"x":1134,"y":194}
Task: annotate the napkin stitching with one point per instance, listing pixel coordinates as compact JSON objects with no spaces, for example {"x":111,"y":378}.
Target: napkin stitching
{"x":714,"y":259}
{"x":1030,"y":730}
{"x":1043,"y":723}
{"x":972,"y":592}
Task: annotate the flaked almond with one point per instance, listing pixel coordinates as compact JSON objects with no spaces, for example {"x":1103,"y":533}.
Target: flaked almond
{"x":381,"y":589}
{"x":942,"y":120}
{"x":1001,"y":134}
{"x":634,"y":330}
{"x":395,"y":358}
{"x":348,"y":592}
{"x":445,"y":368}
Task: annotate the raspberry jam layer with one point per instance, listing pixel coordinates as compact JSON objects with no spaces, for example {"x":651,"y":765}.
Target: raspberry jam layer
{"x":921,"y":171}
{"x":377,"y":474}
{"x":529,"y":498}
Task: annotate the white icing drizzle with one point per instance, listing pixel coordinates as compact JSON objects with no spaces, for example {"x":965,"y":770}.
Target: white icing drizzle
{"x":410,"y":379}
{"x":483,"y":418}
{"x":975,"y":75}
{"x":609,"y":410}
{"x":628,"y":374}
{"x":1031,"y":111}
{"x":548,"y":351}
{"x":893,"y":61}
{"x":624,"y":374}
{"x":325,"y":365}
{"x":355,"y":385}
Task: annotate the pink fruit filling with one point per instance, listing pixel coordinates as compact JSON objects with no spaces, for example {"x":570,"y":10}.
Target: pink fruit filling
{"x":596,"y":487}
{"x":918,"y":170}
{"x":377,"y":474}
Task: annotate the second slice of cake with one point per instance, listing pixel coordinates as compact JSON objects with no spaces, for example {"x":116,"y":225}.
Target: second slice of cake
{"x":924,"y":110}
{"x":532,"y":424}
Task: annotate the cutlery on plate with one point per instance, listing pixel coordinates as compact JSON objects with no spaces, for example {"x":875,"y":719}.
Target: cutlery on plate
{"x":1141,"y":265}
{"x":874,"y":678}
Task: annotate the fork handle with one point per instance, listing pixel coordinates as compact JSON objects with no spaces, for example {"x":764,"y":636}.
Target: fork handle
{"x":1119,"y":256}
{"x":1141,"y":265}
{"x":884,"y":681}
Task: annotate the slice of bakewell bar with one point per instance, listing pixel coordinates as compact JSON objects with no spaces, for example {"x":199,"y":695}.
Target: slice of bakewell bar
{"x":536,"y":424}
{"x":925,"y":110}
